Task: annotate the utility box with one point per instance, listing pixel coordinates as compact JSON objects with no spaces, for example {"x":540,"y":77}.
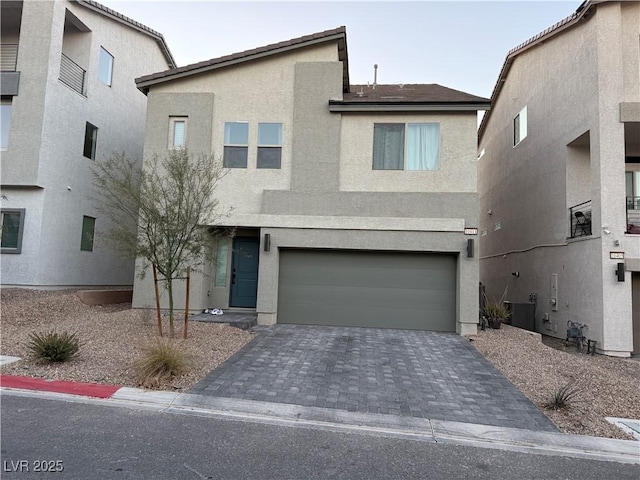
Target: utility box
{"x":523,"y":315}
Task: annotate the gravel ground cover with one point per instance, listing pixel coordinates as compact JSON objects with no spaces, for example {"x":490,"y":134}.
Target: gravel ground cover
{"x":114,"y":336}
{"x":608,"y":386}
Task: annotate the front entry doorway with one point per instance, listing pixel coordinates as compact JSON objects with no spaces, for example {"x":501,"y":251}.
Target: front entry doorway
{"x":244,"y":273}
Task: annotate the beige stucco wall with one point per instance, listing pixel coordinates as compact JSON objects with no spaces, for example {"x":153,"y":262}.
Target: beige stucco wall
{"x":255,"y":92}
{"x":457,"y":170}
{"x":571,"y":84}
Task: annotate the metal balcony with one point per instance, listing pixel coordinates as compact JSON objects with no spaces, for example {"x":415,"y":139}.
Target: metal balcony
{"x":8,"y":57}
{"x":72,"y":74}
{"x":580,"y":220}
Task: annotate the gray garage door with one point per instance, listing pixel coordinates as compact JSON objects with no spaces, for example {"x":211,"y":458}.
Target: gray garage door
{"x":414,"y":291}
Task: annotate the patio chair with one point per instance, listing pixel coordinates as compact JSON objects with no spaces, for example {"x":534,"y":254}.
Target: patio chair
{"x":583,"y":223}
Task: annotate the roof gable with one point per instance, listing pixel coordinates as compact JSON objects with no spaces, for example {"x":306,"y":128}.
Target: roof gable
{"x":338,"y":35}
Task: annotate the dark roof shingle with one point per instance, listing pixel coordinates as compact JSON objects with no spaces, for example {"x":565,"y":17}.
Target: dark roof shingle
{"x":408,"y":93}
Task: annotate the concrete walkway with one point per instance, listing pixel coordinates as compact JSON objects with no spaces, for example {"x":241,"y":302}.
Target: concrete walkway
{"x":238,"y":319}
{"x":400,"y":373}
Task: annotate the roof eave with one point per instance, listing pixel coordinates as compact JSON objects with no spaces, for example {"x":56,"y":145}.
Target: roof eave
{"x":144,"y":83}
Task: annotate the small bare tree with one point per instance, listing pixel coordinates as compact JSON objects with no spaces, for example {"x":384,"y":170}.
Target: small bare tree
{"x":159,"y":212}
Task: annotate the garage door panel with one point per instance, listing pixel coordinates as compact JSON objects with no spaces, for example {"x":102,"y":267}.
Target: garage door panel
{"x":374,"y":297}
{"x":352,"y":316}
{"x":366,"y":276}
{"x":373,"y":289}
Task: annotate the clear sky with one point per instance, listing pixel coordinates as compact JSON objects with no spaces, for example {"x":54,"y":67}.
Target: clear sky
{"x":459,"y":44}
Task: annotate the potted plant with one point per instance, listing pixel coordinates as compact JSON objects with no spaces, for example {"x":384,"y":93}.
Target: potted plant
{"x":495,"y":311}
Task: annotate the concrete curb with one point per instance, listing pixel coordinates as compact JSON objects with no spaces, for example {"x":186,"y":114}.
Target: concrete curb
{"x":438,"y":431}
{"x":97,"y":390}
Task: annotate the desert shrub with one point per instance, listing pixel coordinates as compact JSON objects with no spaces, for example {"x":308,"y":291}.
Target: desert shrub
{"x":493,"y":309}
{"x":160,"y":362}
{"x":53,"y":346}
{"x":562,"y":397}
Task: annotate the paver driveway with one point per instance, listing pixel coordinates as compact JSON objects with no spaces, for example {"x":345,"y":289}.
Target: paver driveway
{"x":400,"y":372}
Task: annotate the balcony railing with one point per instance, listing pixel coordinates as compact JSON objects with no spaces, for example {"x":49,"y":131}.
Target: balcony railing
{"x":580,"y":220}
{"x":633,"y":215}
{"x":8,"y":57}
{"x":72,"y":74}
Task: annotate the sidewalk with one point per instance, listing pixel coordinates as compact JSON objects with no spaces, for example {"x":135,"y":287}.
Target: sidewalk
{"x":422,"y":429}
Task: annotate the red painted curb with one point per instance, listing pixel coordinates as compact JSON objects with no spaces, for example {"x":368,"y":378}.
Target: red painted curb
{"x":59,"y":386}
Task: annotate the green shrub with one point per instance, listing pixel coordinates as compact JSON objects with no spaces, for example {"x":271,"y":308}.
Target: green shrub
{"x":562,"y":397}
{"x":53,"y":346}
{"x":159,"y":363}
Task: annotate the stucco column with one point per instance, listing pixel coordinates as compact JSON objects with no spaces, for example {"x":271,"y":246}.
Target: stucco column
{"x":609,"y":147}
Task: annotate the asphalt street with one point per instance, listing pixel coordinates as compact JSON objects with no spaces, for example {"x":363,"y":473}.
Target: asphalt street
{"x":88,"y":441}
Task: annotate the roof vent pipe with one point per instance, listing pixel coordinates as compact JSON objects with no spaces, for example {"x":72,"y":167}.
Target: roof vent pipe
{"x":375,"y":75}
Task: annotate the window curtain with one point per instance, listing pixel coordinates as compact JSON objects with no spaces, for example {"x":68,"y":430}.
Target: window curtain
{"x":388,"y":146}
{"x":423,"y":145}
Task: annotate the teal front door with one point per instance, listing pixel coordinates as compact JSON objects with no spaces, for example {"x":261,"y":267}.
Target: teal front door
{"x":244,"y":273}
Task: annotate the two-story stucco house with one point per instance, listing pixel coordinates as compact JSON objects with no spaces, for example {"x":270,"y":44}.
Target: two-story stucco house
{"x":68,"y":99}
{"x":350,"y":202}
{"x":559,"y":176}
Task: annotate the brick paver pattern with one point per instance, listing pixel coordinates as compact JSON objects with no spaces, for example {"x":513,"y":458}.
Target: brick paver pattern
{"x":431,"y":375}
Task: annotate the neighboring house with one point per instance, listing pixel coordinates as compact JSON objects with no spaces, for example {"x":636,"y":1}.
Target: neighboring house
{"x":350,"y":202}
{"x":559,"y":177}
{"x":68,"y":99}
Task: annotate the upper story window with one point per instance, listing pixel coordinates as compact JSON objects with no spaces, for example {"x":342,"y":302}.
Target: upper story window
{"x":177,"y":132}
{"x":269,"y":145}
{"x":411,"y":146}
{"x":105,"y":67}
{"x":12,"y":228}
{"x":236,"y":144}
{"x":520,"y":126}
{"x":5,"y":123}
{"x":90,"y":141}
{"x":88,"y":232}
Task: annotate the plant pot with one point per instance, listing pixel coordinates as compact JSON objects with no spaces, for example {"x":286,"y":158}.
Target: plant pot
{"x":495,"y":323}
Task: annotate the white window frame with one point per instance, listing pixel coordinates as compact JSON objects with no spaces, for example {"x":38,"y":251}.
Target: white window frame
{"x":173,"y":120}
{"x":109,"y":58}
{"x":236,"y":145}
{"x":520,"y":127}
{"x":269,"y":146}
